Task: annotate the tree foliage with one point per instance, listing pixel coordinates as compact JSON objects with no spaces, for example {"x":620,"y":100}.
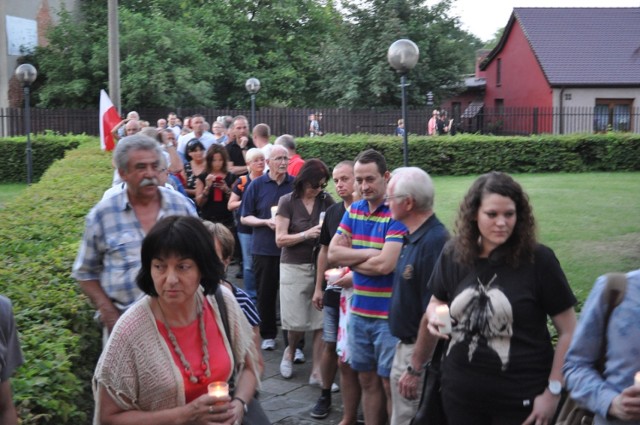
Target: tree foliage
{"x":194,"y":53}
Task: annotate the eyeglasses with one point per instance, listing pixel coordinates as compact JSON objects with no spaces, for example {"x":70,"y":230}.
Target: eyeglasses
{"x":280,"y":159}
{"x":388,"y":198}
{"x":318,"y":185}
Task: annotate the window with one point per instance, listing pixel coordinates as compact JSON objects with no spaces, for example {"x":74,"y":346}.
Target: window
{"x":499,"y":72}
{"x":612,"y":114}
{"x":499,"y":105}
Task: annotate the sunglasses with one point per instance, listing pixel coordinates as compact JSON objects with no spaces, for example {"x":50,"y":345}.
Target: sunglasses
{"x":318,"y":185}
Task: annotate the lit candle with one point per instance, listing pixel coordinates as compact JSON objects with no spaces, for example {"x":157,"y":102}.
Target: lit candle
{"x":636,"y":379}
{"x":442,"y":311}
{"x":332,"y":275}
{"x":321,"y":218}
{"x":218,"y":389}
{"x":274,"y":210}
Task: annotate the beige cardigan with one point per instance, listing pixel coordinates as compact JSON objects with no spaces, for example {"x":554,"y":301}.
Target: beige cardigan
{"x":136,"y":364}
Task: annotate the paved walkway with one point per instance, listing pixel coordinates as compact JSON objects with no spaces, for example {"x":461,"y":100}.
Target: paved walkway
{"x":289,"y":401}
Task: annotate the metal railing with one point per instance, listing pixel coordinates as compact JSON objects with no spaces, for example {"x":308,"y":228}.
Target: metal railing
{"x":502,"y":121}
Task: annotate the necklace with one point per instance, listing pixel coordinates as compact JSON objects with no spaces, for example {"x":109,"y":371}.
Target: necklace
{"x":205,"y":349}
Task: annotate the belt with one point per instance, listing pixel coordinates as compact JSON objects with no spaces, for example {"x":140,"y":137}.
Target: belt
{"x":411,"y":340}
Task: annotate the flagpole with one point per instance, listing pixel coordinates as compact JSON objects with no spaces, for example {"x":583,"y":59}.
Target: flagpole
{"x":114,"y":55}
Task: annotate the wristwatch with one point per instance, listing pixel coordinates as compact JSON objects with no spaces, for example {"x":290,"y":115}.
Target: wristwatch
{"x":244,"y":404}
{"x":555,"y":387}
{"x":411,"y":371}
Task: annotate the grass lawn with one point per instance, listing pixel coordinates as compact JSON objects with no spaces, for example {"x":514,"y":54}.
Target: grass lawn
{"x":590,"y":220}
{"x":9,"y":191}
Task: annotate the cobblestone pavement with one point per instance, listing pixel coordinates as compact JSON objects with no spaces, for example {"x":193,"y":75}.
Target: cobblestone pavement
{"x":289,"y":401}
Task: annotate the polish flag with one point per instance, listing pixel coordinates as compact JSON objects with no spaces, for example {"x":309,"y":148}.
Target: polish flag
{"x":109,"y":118}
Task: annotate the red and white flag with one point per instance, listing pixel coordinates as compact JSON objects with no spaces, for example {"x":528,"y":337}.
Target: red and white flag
{"x":109,"y":118}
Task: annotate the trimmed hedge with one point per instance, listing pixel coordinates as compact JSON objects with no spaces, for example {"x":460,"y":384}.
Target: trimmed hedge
{"x":40,"y":233}
{"x":476,"y":154}
{"x":45,"y":148}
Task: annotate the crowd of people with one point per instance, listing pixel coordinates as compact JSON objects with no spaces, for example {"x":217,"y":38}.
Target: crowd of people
{"x":367,"y":275}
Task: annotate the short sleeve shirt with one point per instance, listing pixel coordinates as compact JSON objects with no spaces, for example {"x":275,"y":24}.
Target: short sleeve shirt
{"x":300,"y":220}
{"x":235,"y":152}
{"x":10,"y":353}
{"x":411,"y":295}
{"x":262,"y":194}
{"x":371,"y":229}
{"x":110,"y":247}
{"x":501,"y":337}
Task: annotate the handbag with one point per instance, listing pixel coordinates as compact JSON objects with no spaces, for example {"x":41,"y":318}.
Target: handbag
{"x":571,"y":413}
{"x":430,"y":410}
{"x":254,"y":413}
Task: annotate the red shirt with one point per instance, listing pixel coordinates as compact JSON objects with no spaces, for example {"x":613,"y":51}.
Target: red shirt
{"x":295,"y":164}
{"x":191,"y":345}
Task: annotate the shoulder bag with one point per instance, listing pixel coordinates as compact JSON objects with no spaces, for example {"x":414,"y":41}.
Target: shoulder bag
{"x":430,"y":410}
{"x":254,"y":413}
{"x":571,"y":413}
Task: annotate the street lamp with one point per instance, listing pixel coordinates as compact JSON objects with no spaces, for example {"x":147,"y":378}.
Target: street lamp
{"x":26,"y":74}
{"x":403,"y":55}
{"x":253,"y":86}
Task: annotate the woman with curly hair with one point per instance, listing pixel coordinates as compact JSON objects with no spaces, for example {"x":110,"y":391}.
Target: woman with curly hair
{"x":213,"y":187}
{"x":499,"y":285}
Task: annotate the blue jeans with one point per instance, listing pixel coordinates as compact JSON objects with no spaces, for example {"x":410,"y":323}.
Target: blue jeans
{"x":247,"y":265}
{"x":371,"y":345}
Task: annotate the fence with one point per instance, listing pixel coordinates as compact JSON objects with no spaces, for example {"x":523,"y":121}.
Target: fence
{"x":501,"y":121}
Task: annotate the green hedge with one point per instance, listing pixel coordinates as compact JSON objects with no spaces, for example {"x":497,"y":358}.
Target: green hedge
{"x":40,"y":232}
{"x":475,"y":154}
{"x":45,"y":148}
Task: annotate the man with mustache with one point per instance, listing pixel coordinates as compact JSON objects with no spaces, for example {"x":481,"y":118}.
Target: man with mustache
{"x":109,"y":256}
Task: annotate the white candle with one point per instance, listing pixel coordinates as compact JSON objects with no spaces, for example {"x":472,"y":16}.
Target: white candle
{"x":218,"y":389}
{"x":332,"y":275}
{"x":274,"y":210}
{"x":636,"y":379}
{"x":321,"y":218}
{"x":442,"y":311}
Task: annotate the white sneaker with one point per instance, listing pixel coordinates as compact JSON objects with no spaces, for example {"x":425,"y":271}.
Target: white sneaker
{"x":335,"y":388}
{"x":298,"y":356}
{"x":269,"y":344}
{"x":286,"y":366}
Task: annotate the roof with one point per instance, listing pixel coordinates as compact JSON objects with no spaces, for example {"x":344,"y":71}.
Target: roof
{"x":581,"y":46}
{"x":472,"y":110}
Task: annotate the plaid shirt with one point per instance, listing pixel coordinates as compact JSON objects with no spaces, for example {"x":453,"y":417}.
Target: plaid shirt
{"x":110,"y":247}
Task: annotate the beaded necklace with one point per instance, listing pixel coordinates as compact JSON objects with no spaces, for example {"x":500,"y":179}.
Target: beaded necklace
{"x":205,"y":348}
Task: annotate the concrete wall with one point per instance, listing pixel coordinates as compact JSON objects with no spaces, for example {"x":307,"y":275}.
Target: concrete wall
{"x":45,"y":13}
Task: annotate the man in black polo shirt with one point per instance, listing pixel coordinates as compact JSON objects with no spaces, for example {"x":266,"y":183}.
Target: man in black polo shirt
{"x":239,"y":143}
{"x":410,"y":199}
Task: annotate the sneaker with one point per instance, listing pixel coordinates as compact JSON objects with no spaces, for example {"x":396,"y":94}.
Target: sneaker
{"x":335,"y":388}
{"x":269,"y":344}
{"x":286,"y":366}
{"x":298,"y":356}
{"x":315,"y":382}
{"x":322,"y":408}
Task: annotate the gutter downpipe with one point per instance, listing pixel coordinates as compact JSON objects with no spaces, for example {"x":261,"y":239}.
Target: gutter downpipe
{"x":561,"y":118}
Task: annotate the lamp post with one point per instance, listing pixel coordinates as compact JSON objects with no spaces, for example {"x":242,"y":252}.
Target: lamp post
{"x":403,"y":55}
{"x":253,"y":86}
{"x":26,"y":74}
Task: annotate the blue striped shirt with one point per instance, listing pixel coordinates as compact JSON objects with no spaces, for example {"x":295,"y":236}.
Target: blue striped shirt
{"x":110,"y":247}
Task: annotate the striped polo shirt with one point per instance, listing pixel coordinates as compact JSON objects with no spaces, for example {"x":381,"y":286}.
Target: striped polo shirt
{"x":371,"y":294}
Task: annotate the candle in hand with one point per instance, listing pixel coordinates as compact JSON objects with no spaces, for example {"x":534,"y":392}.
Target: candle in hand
{"x":442,"y":311}
{"x":332,"y":275}
{"x":218,"y":389}
{"x":322,"y":213}
{"x":274,"y":209}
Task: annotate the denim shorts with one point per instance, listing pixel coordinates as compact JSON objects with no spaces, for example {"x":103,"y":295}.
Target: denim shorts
{"x":371,"y":345}
{"x":330,"y":318}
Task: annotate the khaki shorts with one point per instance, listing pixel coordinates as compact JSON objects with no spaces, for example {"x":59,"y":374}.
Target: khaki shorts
{"x":297,"y":284}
